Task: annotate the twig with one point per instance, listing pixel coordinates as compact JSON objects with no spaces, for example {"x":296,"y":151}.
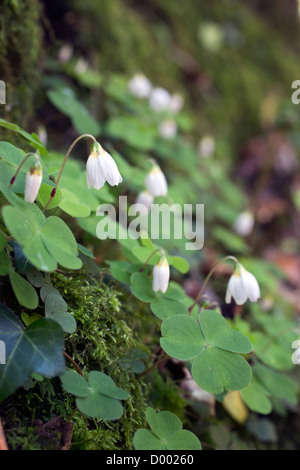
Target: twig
{"x":3,"y":444}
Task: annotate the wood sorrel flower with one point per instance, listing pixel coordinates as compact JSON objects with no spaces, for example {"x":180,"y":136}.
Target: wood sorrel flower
{"x":156,"y":182}
{"x":242,"y":286}
{"x":146,"y":199}
{"x":101,"y":167}
{"x":33,"y":182}
{"x":161,"y":275}
{"x":140,"y":86}
{"x":244,"y":223}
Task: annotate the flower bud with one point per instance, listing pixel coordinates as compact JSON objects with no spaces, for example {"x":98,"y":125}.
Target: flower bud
{"x":33,"y":182}
{"x":161,"y":275}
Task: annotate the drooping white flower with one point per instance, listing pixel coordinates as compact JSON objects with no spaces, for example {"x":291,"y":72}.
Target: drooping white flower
{"x":206,"y":146}
{"x":176,"y":103}
{"x":168,"y":128}
{"x":33,"y":182}
{"x":156,"y":182}
{"x":242,"y":286}
{"x":140,"y":86}
{"x":161,"y":275}
{"x":101,"y":167}
{"x":244,"y":223}
{"x":160,"y":99}
{"x":146,"y":199}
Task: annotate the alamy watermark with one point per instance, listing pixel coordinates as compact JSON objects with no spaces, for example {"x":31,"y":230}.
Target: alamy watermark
{"x":2,"y":353}
{"x":2,"y":92}
{"x":296,"y":354}
{"x":159,"y":221}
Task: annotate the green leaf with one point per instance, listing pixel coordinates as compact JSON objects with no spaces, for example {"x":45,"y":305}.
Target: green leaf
{"x":5,"y":263}
{"x":97,"y":398}
{"x":182,"y":337}
{"x":66,"y":101}
{"x":35,"y":277}
{"x":277,"y":384}
{"x":2,"y":241}
{"x":38,"y":348}
{"x":218,"y":333}
{"x":45,"y":193}
{"x":85,"y":251}
{"x":141,"y":287}
{"x":179,"y":263}
{"x":163,"y":424}
{"x":105,"y":385}
{"x":45,"y":242}
{"x":256,"y":397}
{"x":23,"y":291}
{"x":163,"y":307}
{"x":60,"y":242}
{"x":119,"y":270}
{"x":132,"y":131}
{"x":55,"y":304}
{"x":168,"y":431}
{"x":216,"y":370}
{"x":56,"y":309}
{"x":47,"y":289}
{"x":72,"y":205}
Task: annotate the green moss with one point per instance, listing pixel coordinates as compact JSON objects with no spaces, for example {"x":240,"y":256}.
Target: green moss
{"x":103,"y":337}
{"x":20,"y":50}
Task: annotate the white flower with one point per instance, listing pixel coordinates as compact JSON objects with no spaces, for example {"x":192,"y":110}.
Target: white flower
{"x":176,"y":103}
{"x":244,"y":223}
{"x":242,"y":286}
{"x":160,"y":99}
{"x":156,"y":182}
{"x":206,"y":146}
{"x":33,"y":182}
{"x":101,"y":167}
{"x":146,"y":199}
{"x":161,"y":276}
{"x":168,"y":128}
{"x":140,"y":86}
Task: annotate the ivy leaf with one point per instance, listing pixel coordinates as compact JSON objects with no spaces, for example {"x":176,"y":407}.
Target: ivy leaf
{"x":38,"y":348}
{"x":98,"y":397}
{"x":167,"y":433}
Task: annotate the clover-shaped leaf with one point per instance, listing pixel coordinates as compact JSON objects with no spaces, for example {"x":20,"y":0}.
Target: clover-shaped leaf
{"x":57,"y":309}
{"x":98,"y":397}
{"x":45,"y":242}
{"x":167,"y":433}
{"x":212,"y":347}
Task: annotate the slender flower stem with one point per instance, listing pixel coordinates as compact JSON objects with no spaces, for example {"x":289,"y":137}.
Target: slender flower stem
{"x":63,"y":165}
{"x":149,"y":257}
{"x":208,"y":278}
{"x":20,"y":166}
{"x":160,"y":358}
{"x":69,"y":358}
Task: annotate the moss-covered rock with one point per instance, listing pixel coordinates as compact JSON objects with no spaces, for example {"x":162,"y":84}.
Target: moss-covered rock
{"x":20,"y":51}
